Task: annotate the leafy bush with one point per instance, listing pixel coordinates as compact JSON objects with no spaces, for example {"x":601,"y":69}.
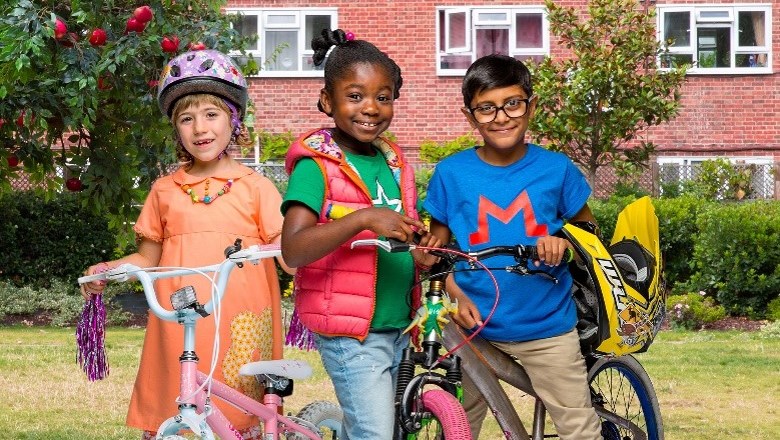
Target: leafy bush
{"x":692,"y":311}
{"x":43,"y":239}
{"x":61,"y":302}
{"x":773,"y":309}
{"x":433,"y":152}
{"x":274,"y":146}
{"x":678,"y":230}
{"x":737,"y":257}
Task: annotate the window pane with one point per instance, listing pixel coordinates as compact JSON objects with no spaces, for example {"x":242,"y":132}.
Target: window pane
{"x":677,"y":28}
{"x":484,"y":17}
{"x":280,"y":19}
{"x":751,"y":60}
{"x":314,"y":26}
{"x":490,"y":41}
{"x":529,"y":30}
{"x":246,"y":25}
{"x":308,"y":64}
{"x":751,"y":28}
{"x":714,"y":47}
{"x":457,"y":30}
{"x":281,"y":50}
{"x":455,"y":61}
{"x":670,"y":60}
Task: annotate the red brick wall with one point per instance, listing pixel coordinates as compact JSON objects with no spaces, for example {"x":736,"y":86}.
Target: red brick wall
{"x":721,"y":114}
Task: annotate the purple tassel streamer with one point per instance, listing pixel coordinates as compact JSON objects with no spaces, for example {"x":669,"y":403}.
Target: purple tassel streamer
{"x":299,"y":335}
{"x":91,"y":341}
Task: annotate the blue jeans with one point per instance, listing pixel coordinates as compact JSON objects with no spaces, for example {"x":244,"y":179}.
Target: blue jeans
{"x":364,"y":375}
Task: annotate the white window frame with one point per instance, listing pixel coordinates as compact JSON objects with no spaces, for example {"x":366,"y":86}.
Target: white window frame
{"x":457,"y":49}
{"x":735,"y":160}
{"x":730,"y":20}
{"x":264,"y":25}
{"x":473,"y":23}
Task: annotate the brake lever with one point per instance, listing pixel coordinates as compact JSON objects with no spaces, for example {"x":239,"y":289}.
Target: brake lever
{"x":522,"y":270}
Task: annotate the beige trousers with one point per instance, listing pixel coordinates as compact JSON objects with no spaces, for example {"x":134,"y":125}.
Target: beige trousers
{"x":559,"y":377}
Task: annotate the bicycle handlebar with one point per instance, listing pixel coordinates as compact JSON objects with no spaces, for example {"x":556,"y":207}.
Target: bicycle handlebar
{"x":147,"y":276}
{"x":518,"y":251}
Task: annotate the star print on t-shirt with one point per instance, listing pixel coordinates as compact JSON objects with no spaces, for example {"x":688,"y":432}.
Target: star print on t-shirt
{"x":382,"y":199}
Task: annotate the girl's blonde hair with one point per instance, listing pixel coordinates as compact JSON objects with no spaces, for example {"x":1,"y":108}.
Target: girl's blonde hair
{"x":242,"y":139}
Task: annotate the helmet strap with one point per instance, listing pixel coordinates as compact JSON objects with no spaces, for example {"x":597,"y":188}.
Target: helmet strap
{"x":235,"y":121}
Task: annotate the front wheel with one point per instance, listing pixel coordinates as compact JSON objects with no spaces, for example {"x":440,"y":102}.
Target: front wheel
{"x":325,"y":416}
{"x":621,"y":385}
{"x":444,"y":418}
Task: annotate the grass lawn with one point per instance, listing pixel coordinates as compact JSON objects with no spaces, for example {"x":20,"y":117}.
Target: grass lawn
{"x":711,"y":385}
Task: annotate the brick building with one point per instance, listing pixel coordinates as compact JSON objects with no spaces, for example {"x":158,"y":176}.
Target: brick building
{"x":730,"y":101}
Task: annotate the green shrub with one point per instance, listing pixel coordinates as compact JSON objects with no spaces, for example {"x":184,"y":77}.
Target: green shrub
{"x":771,"y":330}
{"x":43,"y":239}
{"x":62,"y":303}
{"x":773,"y":309}
{"x":737,"y":257}
{"x":678,"y":230}
{"x":692,"y":311}
{"x":274,"y":146}
{"x":433,"y":152}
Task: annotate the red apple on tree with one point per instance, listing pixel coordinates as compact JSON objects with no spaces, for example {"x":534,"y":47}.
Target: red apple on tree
{"x":133,"y":25}
{"x":13,"y":161}
{"x":197,"y":46}
{"x":20,"y":120}
{"x":98,"y":37}
{"x":103,"y":83}
{"x":73,"y":184}
{"x":60,"y":29}
{"x":170,"y":44}
{"x":143,"y":14}
{"x":2,"y":121}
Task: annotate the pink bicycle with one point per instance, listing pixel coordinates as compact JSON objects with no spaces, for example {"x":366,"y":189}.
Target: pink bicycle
{"x":317,"y":420}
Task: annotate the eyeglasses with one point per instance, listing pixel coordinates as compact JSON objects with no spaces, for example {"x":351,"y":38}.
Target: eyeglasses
{"x":514,"y":108}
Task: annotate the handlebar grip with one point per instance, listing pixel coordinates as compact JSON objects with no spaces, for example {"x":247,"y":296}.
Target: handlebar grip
{"x":90,"y":278}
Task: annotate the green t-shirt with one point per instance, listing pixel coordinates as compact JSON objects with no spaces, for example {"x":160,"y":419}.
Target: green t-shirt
{"x":395,"y":271}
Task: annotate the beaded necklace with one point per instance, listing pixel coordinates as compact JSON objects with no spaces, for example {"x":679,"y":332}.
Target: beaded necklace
{"x":206,"y":198}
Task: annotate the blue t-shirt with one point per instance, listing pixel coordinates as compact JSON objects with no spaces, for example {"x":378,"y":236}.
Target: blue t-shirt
{"x":486,"y":205}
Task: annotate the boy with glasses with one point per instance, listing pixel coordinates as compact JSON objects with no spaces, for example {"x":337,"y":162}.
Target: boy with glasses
{"x":511,"y":192}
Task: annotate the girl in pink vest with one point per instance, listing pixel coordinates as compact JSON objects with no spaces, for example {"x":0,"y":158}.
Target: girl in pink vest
{"x":348,"y":183}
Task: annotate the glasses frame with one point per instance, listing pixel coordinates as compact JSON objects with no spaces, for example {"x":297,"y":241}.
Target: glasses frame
{"x":501,"y":107}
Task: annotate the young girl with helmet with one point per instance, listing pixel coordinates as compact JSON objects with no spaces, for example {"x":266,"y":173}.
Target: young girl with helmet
{"x":188,"y":219}
{"x":348,"y":182}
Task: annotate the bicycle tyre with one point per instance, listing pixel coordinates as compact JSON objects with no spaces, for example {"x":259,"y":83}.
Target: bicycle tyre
{"x":447,"y":419}
{"x":326,"y":416}
{"x":623,"y":386}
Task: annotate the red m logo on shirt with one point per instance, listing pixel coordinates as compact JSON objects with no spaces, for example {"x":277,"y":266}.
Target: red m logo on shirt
{"x":521,"y":203}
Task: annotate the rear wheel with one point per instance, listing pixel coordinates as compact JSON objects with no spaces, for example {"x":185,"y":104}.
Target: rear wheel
{"x":444,"y":418}
{"x":621,"y":385}
{"x":325,"y":416}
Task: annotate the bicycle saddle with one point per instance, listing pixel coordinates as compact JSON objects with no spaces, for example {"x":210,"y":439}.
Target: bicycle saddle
{"x":291,"y":369}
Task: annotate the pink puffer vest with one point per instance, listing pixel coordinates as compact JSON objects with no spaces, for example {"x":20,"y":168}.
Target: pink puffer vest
{"x":335,"y":296}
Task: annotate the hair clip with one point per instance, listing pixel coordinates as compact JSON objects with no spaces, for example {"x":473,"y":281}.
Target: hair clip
{"x":349,"y":36}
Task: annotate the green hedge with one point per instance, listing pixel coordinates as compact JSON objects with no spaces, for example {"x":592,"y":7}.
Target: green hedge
{"x":45,"y":239}
{"x":737,"y":255}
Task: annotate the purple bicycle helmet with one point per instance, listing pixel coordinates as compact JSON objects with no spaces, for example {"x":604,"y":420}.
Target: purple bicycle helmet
{"x":201,"y":71}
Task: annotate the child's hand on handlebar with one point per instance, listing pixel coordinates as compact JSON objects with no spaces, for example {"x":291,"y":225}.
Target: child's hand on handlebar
{"x":422,"y":256}
{"x":390,"y":224}
{"x":551,"y":249}
{"x":94,"y":287}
